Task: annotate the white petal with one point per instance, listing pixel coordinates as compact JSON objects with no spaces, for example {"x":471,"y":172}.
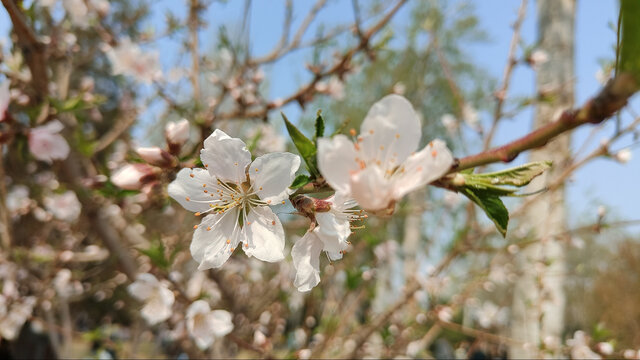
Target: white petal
{"x":264,"y":235}
{"x":225,"y":157}
{"x":333,"y":232}
{"x":391,"y":131}
{"x":198,"y":307}
{"x":337,"y":161}
{"x":144,"y":286}
{"x":221,"y":322}
{"x":210,"y":247}
{"x":155,"y":311}
{"x":271,"y":175}
{"x":186,"y":187}
{"x":370,"y":189}
{"x":306,"y":260}
{"x":423,"y":167}
{"x":166,"y":295}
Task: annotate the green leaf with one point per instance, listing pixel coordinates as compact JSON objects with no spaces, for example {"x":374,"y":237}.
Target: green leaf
{"x":628,"y":59}
{"x":319,"y":126}
{"x":300,"y":181}
{"x":306,"y":147}
{"x":490,"y":202}
{"x":156,"y":254}
{"x":517,"y":176}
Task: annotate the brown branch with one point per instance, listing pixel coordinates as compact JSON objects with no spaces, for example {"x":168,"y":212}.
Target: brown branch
{"x":34,"y":51}
{"x":611,"y":98}
{"x":501,"y":94}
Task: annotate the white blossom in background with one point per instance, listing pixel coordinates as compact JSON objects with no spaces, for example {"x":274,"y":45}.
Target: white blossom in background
{"x":46,"y":144}
{"x":399,"y":88}
{"x":158,"y":299}
{"x":623,"y":156}
{"x":205,"y":325}
{"x":603,"y":76}
{"x":65,"y":206}
{"x":129,"y":59}
{"x":450,"y":124}
{"x":538,"y":57}
{"x":381,"y":167}
{"x":605,"y":348}
{"x":13,"y":314}
{"x":5,"y":97}
{"x":334,"y":87}
{"x":580,"y":349}
{"x":236,"y":204}
{"x":330,"y":236}
{"x":471,"y":117}
{"x":64,"y":286}
{"x":18,"y":201}
{"x":132,"y":176}
{"x":269,"y":140}
{"x":490,"y":314}
{"x":78,"y":12}
{"x":177,"y":133}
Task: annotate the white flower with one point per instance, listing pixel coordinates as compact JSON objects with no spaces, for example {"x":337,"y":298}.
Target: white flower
{"x":205,"y":325}
{"x":177,"y":133}
{"x":157,"y":298}
{"x":18,"y":201}
{"x":132,"y":176}
{"x":623,"y":156}
{"x":580,"y":347}
{"x":330,"y":235}
{"x":13,"y":317}
{"x":605,"y":348}
{"x":268,"y":139}
{"x":471,"y":117}
{"x":381,"y":167}
{"x":450,"y":123}
{"x":237,"y":195}
{"x":5,"y":96}
{"x":65,"y":206}
{"x":490,"y":314}
{"x":603,"y":76}
{"x":78,"y":12}
{"x":538,"y":57}
{"x":129,"y":59}
{"x":46,"y":144}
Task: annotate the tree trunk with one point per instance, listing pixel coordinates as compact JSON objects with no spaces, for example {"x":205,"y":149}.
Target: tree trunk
{"x":539,"y":300}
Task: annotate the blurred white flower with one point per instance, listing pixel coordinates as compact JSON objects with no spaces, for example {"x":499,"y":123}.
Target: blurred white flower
{"x":623,"y":156}
{"x":334,"y":88}
{"x":386,"y":250}
{"x":471,"y":117}
{"x":580,"y":347}
{"x":156,"y":156}
{"x":46,"y":144}
{"x":65,"y":206}
{"x":381,"y":166}
{"x":489,"y":314}
{"x":158,"y":299}
{"x":177,"y":133}
{"x":5,"y":96}
{"x":238,"y":203}
{"x":205,"y":325}
{"x":14,"y":315}
{"x":603,"y":76}
{"x":77,"y":11}
{"x":399,"y":88}
{"x":605,"y":348}
{"x":102,"y":7}
{"x":334,"y":227}
{"x":64,"y":286}
{"x":445,"y":313}
{"x":538,"y":57}
{"x":631,"y":354}
{"x":18,"y":201}
{"x":129,"y":59}
{"x":133,"y":176}
{"x":450,"y":123}
{"x":269,"y":140}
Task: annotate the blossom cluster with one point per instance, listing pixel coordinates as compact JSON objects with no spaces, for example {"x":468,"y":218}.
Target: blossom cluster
{"x":371,"y":171}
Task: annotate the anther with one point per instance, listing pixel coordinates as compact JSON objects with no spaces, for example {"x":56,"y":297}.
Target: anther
{"x":256,"y":169}
{"x":187,"y":198}
{"x":434,"y":153}
{"x":195,"y":227}
{"x":228,"y":241}
{"x":352,"y":132}
{"x":273,"y":222}
{"x":397,"y":136}
{"x":208,"y":228}
{"x":246,"y":245}
{"x":191,"y":175}
{"x":206,"y":191}
{"x":371,"y":131}
{"x":197,"y":214}
{"x":283,"y":202}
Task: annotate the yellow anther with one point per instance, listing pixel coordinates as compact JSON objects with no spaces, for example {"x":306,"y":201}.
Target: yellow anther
{"x":371,"y":131}
{"x":204,"y":185}
{"x":248,"y":222}
{"x":397,"y":136}
{"x":381,"y":147}
{"x":205,"y":191}
{"x":246,"y":246}
{"x":283,"y":202}
{"x":206,"y":165}
{"x":260,"y":188}
{"x":256,"y":169}
{"x":268,"y":201}
{"x":231,"y":250}
{"x":187,"y":198}
{"x":352,"y":132}
{"x":236,"y":164}
{"x":195,"y":227}
{"x":191,"y":175}
{"x":273,"y":222}
{"x":208,"y":228}
{"x":228,"y":241}
{"x":198,"y":214}
{"x":434,"y":153}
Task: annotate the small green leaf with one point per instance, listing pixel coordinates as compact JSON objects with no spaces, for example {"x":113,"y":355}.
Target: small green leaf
{"x":491,"y":204}
{"x":319,"y":126}
{"x":517,"y":176}
{"x":629,"y":39}
{"x":300,"y":181}
{"x":306,"y":147}
{"x":156,"y":254}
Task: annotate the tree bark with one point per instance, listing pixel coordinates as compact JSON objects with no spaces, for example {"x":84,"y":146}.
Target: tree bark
{"x":539,"y":300}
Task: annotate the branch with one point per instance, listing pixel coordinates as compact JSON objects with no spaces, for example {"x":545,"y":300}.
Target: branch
{"x":34,"y":51}
{"x":611,"y":98}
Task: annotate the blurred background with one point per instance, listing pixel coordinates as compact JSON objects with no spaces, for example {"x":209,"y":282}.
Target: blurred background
{"x":434,"y":280}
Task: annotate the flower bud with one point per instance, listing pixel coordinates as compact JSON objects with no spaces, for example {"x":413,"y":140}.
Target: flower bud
{"x":177,"y":133}
{"x":623,"y":156}
{"x":133,"y":176}
{"x":156,"y":156}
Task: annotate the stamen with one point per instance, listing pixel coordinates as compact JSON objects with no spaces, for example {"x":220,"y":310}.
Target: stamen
{"x":195,"y":227}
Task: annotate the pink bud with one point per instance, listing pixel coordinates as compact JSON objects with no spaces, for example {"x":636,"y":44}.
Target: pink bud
{"x":133,"y":176}
{"x":156,"y":156}
{"x":177,"y":133}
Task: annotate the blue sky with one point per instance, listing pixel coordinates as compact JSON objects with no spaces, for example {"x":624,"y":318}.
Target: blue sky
{"x":601,"y":182}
